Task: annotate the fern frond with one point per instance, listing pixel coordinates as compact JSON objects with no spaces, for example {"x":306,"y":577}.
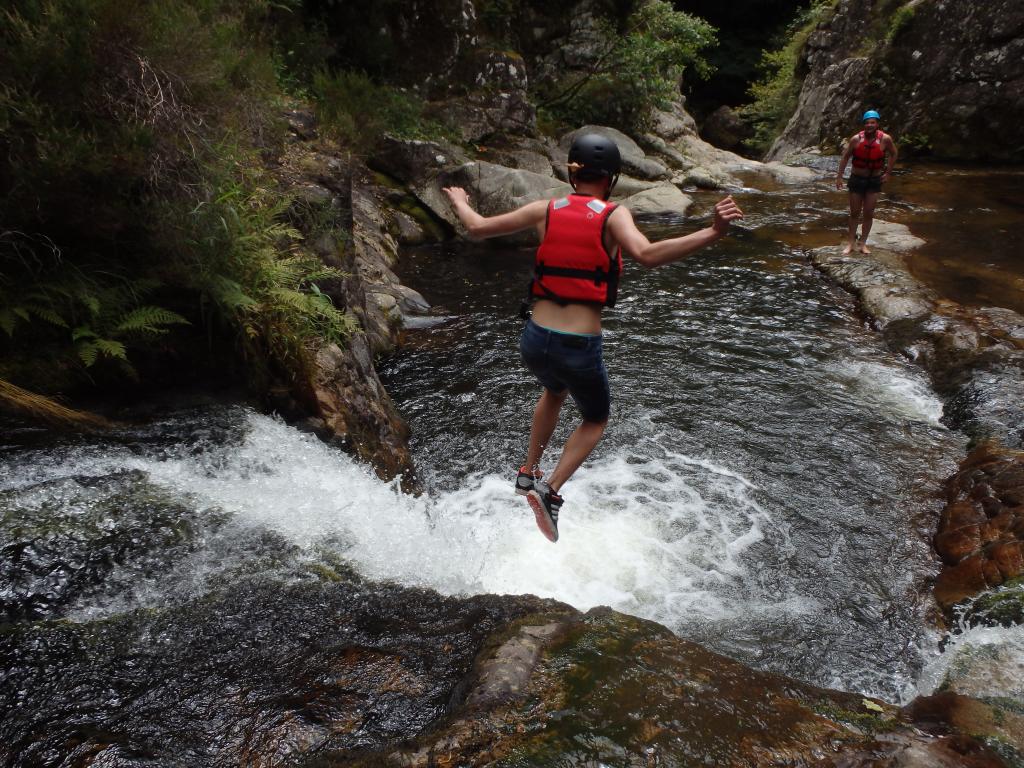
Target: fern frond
{"x":8,"y":321}
{"x":149,"y":319}
{"x":82,"y":332}
{"x":111,"y":348}
{"x":87,"y":353}
{"x":229,"y":293}
{"x":293,"y":299}
{"x":47,"y":314}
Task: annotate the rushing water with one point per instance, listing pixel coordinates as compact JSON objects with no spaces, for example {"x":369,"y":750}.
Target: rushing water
{"x":768,"y":481}
{"x":768,"y":484}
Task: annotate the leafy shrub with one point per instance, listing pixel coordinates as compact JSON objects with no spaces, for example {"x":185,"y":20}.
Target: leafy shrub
{"x":900,"y":19}
{"x":360,"y":111}
{"x":775,"y":93}
{"x":639,"y":69}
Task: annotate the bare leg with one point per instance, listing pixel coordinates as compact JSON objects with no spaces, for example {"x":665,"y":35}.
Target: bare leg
{"x":577,"y":448}
{"x":545,"y":419}
{"x":856,"y":203}
{"x":870,"y":198}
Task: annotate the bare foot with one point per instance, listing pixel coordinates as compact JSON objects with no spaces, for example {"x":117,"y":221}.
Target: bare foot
{"x":847,"y":249}
{"x":864,"y":248}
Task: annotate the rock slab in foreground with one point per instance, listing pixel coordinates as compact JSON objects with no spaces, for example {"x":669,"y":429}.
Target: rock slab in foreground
{"x":609,"y":689}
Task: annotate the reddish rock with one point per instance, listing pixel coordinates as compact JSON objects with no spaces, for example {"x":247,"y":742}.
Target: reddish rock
{"x":981,"y":530}
{"x":997,"y":528}
{"x":1008,"y":556}
{"x":960,"y":581}
{"x":960,"y":514}
{"x":990,"y":570}
{"x":953,"y":546}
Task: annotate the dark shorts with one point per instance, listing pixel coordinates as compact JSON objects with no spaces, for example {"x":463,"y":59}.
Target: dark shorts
{"x":562,"y":361}
{"x":861,"y":185}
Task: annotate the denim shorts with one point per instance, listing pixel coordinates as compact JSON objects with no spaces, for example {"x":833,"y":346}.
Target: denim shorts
{"x":562,"y":361}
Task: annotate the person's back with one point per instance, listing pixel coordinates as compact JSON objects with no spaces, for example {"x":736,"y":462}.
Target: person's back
{"x":576,"y":274}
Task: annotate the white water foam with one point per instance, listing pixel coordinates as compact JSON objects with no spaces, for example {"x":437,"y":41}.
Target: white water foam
{"x":889,"y":390}
{"x":649,"y":532}
{"x":984,"y":662}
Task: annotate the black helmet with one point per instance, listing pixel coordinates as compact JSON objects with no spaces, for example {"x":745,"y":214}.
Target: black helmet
{"x":593,"y":156}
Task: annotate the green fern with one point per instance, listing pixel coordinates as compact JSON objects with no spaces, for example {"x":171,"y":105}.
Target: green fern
{"x":149,"y":320}
{"x":90,"y":351}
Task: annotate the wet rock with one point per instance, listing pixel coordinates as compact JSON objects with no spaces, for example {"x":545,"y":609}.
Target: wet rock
{"x":979,"y":535}
{"x":103,"y":535}
{"x":893,"y":237}
{"x":258,"y":673}
{"x":724,"y":129}
{"x":659,"y":200}
{"x":634,"y":160}
{"x":358,"y":411}
{"x":791,"y":174}
{"x":622,"y":691}
{"x":972,"y":356}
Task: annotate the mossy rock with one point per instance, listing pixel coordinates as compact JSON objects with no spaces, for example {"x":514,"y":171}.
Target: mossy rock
{"x":1003,"y":607}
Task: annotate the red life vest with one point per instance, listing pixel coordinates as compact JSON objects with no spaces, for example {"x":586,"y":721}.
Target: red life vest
{"x":870,"y":153}
{"x":572,"y":264}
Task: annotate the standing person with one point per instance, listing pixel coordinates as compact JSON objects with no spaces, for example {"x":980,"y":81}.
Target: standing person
{"x":576,"y":274}
{"x":874,"y":155}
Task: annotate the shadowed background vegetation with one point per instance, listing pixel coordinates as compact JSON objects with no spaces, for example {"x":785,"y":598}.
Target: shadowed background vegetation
{"x":143,"y":236}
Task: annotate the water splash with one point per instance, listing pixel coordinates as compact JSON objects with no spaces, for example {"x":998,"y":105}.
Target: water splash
{"x":903,"y":393}
{"x":984,"y":662}
{"x":647,"y":530}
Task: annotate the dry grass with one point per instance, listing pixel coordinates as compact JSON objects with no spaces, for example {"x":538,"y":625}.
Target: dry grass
{"x":48,"y":410}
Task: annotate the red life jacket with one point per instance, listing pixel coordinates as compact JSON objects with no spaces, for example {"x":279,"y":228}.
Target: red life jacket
{"x":572,"y":264}
{"x":870,"y":153}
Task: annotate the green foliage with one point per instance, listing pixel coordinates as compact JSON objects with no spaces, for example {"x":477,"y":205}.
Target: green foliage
{"x":360,"y":111}
{"x":900,"y":19}
{"x":775,"y":93}
{"x":130,"y":181}
{"x":639,"y":70}
{"x":244,"y":261}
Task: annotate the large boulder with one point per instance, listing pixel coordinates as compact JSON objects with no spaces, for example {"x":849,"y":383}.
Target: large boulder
{"x":634,"y":160}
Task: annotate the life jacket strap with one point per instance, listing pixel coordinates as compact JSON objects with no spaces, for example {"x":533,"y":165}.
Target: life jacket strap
{"x":598,"y":275}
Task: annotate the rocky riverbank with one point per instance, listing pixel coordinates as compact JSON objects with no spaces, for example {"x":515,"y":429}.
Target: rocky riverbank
{"x":975,"y":358}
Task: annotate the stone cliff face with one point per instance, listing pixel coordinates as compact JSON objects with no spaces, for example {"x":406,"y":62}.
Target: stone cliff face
{"x":947,"y":77}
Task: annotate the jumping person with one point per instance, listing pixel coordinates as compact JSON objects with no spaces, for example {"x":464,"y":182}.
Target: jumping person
{"x":576,"y":274}
{"x":874,"y":155}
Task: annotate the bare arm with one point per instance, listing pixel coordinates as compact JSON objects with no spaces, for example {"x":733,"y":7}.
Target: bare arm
{"x":847,"y":151}
{"x":635,"y":243}
{"x":530,"y":215}
{"x":890,"y":159}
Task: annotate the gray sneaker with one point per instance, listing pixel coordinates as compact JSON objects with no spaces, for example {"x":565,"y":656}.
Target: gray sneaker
{"x":545,"y":504}
{"x":525,"y":480}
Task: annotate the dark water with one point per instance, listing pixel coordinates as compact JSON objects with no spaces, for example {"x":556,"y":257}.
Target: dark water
{"x":215,"y":581}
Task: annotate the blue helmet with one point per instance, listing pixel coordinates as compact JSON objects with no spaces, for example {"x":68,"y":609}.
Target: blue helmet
{"x":871,"y":114}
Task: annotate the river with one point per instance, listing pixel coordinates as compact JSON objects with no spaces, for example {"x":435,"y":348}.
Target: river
{"x":768,"y":487}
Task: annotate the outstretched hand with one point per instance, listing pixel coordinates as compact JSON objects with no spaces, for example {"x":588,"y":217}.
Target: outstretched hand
{"x":726,"y":212}
{"x":456,"y":195}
